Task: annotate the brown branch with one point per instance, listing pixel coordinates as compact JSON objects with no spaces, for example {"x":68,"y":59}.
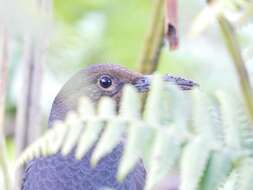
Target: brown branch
{"x":150,"y":53}
{"x":3,"y":82}
{"x":235,"y":53}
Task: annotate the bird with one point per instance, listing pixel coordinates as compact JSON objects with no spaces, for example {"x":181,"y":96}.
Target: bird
{"x":67,"y":173}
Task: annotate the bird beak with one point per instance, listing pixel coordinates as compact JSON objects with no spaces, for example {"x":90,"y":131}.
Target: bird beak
{"x":143,"y":83}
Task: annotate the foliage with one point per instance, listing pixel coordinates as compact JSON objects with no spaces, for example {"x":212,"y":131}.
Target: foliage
{"x":210,"y":142}
{"x":213,"y":141}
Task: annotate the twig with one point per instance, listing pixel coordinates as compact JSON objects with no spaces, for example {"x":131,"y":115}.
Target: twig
{"x":154,"y":38}
{"x":235,"y":53}
{"x":3,"y":82}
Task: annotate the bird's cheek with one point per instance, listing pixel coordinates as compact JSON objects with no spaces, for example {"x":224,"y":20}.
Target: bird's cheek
{"x":94,"y":94}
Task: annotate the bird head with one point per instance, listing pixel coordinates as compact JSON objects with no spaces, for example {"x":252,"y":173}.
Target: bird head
{"x":104,"y":80}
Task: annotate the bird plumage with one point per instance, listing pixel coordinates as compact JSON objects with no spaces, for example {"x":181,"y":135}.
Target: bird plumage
{"x":67,"y":173}
{"x":85,"y":83}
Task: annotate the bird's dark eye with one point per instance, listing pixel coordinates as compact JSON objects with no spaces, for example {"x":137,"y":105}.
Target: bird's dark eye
{"x":105,"y":81}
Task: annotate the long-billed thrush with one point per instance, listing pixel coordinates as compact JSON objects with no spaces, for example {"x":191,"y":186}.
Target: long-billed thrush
{"x":57,"y":172}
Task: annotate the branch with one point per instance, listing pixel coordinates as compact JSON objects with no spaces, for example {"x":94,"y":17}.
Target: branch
{"x":235,"y":53}
{"x":153,"y":43}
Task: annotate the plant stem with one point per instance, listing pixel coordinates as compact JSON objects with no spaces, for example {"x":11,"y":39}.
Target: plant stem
{"x":171,"y":24}
{"x":235,"y":53}
{"x":28,"y":120}
{"x":150,"y":53}
{"x":3,"y":82}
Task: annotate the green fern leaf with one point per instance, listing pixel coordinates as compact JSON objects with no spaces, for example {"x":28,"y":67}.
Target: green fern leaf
{"x":89,"y":137}
{"x":140,"y":138}
{"x":237,"y":126}
{"x":205,"y":118}
{"x":246,"y":175}
{"x":111,"y":137}
{"x":232,"y":182}
{"x":165,"y":153}
{"x":86,"y":109}
{"x":194,"y":162}
{"x":72,"y":135}
{"x":157,"y":106}
{"x":130,"y":106}
{"x":218,"y":169}
{"x":106,"y":108}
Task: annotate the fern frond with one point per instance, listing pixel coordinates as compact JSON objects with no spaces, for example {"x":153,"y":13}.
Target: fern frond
{"x":140,"y":138}
{"x":130,"y":106}
{"x":194,"y":162}
{"x":232,"y":182}
{"x":75,"y":127}
{"x":111,"y":137}
{"x":165,"y":153}
{"x":218,"y":169}
{"x":161,"y":137}
{"x":206,"y":118}
{"x":157,"y":106}
{"x":180,"y":109}
{"x":130,"y":111}
{"x":237,"y":125}
{"x":89,"y":137}
{"x":241,"y":177}
{"x":246,"y":175}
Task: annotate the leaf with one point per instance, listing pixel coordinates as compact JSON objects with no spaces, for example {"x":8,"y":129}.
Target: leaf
{"x":237,"y":125}
{"x":106,"y":108}
{"x":218,"y":169}
{"x":74,"y":130}
{"x":246,"y":175}
{"x":59,"y":131}
{"x":205,"y":118}
{"x":89,"y":137}
{"x":157,"y":106}
{"x":164,"y":155}
{"x":112,"y":136}
{"x":232,"y":182}
{"x":179,"y":105}
{"x":194,"y":162}
{"x":140,"y":138}
{"x":48,"y":144}
{"x":130,"y":106}
{"x":86,"y":109}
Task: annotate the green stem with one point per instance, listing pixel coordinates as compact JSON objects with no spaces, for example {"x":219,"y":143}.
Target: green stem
{"x":235,"y":53}
{"x":152,"y":45}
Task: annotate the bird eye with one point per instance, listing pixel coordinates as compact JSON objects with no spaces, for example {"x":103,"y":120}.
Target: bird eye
{"x":105,"y":81}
